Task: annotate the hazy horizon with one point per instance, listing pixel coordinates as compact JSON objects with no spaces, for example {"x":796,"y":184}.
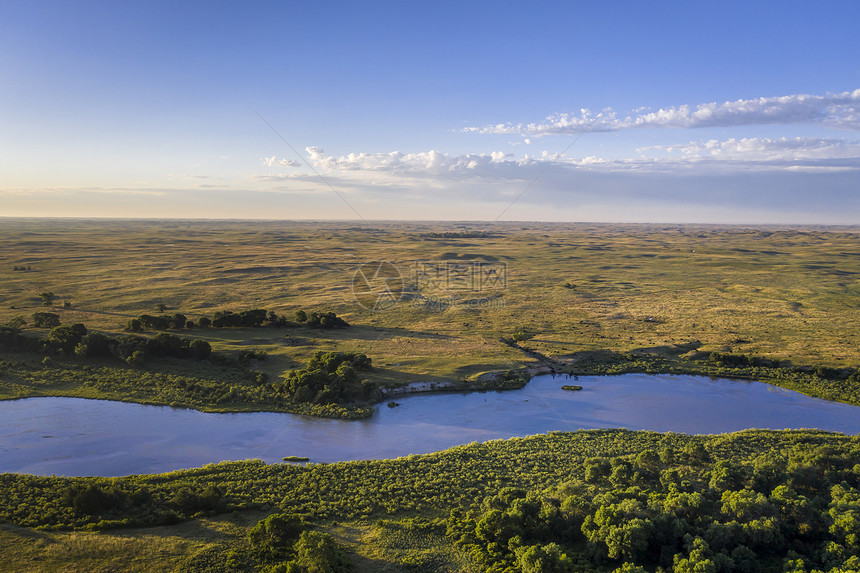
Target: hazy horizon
{"x":674,"y":113}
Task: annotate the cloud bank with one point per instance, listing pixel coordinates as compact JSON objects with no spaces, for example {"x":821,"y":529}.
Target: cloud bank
{"x":273,"y":161}
{"x":711,"y":156}
{"x":840,"y":111}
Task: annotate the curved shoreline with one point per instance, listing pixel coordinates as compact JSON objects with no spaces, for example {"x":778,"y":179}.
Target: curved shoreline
{"x":796,"y":379}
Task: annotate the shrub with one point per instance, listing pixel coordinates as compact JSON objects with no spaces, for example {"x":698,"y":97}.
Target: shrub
{"x":46,"y":320}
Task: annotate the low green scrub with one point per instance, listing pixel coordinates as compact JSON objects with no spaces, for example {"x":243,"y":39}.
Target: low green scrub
{"x":457,"y":478}
{"x":200,"y":385}
{"x":601,"y":500}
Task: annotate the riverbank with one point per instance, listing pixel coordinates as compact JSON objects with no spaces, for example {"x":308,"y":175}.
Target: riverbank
{"x":114,"y":438}
{"x":219,"y":390}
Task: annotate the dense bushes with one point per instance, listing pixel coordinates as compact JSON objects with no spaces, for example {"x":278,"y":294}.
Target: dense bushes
{"x":281,"y":543}
{"x":223,"y":383}
{"x":638,"y":513}
{"x":246,"y":318}
{"x":253,"y":318}
{"x":330,"y":378}
{"x":321,"y":319}
{"x":45,"y":319}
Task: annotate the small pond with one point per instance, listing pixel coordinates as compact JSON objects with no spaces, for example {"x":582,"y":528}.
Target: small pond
{"x":73,"y":436}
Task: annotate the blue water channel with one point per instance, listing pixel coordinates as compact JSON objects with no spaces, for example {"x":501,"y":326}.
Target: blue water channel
{"x":74,"y":437}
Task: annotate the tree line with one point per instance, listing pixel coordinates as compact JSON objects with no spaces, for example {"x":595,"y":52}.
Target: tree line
{"x":253,"y":318}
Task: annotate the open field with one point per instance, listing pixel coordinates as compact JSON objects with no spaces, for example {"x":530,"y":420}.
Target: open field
{"x":787,"y":294}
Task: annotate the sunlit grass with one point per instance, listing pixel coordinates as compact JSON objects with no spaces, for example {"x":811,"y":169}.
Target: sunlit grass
{"x":790,"y":294}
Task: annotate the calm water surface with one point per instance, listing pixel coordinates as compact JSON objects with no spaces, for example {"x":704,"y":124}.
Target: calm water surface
{"x":73,"y":436}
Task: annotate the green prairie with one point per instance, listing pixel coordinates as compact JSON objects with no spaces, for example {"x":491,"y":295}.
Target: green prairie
{"x":784,"y":293}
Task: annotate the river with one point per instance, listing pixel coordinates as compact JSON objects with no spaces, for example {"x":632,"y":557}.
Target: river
{"x":73,"y":436}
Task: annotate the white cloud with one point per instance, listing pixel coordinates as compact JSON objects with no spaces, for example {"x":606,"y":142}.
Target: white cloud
{"x":273,"y":161}
{"x":431,"y":163}
{"x":763,"y":149}
{"x":834,"y":110}
{"x":705,"y":157}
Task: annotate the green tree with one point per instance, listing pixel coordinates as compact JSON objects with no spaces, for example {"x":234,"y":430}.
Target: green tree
{"x":623,"y":528}
{"x":543,"y":559}
{"x":200,"y":349}
{"x":727,"y":475}
{"x":630,"y":568}
{"x":93,"y":344}
{"x":65,"y":338}
{"x":137,"y":358}
{"x":46,"y":319}
{"x":318,"y":552}
{"x":273,"y":536}
{"x":699,"y":559}
{"x":845,"y":513}
{"x":47,"y":298}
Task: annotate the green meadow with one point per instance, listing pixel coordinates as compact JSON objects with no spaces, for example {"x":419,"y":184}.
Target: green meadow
{"x":783,"y":293}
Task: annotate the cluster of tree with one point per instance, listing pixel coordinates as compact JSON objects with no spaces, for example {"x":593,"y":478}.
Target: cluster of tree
{"x":66,"y":339}
{"x":76,"y":340}
{"x":45,"y":320}
{"x":137,"y":350}
{"x":11,"y":339}
{"x":320,"y":319}
{"x":253,"y":318}
{"x":223,"y":382}
{"x":245,"y":319}
{"x":283,"y":543}
{"x":676,"y":510}
{"x":160,"y":322}
{"x":22,"y":268}
{"x":329,"y":378}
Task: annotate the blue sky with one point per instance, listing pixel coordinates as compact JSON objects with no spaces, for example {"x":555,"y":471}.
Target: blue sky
{"x":724,"y":112}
